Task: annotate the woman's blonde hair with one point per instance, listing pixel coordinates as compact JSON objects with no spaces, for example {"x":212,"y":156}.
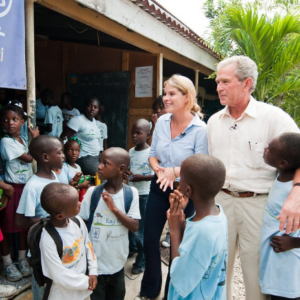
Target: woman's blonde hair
{"x":186,"y":87}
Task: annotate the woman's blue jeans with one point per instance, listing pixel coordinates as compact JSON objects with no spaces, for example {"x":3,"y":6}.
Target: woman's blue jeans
{"x":155,"y":219}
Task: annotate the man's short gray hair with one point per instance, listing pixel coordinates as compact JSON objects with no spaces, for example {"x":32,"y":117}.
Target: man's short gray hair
{"x":245,"y":68}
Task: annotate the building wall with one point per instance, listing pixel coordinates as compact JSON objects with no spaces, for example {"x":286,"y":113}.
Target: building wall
{"x":55,"y":59}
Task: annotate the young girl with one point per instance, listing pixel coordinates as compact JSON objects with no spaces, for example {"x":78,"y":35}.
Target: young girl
{"x":72,"y":151}
{"x":14,"y":152}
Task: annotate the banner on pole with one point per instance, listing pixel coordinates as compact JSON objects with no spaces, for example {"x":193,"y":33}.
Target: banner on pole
{"x":12,"y":44}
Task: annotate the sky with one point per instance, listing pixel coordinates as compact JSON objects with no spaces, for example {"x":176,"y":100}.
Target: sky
{"x":190,"y":12}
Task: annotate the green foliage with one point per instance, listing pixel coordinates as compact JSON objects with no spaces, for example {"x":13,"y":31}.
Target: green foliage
{"x":273,"y":42}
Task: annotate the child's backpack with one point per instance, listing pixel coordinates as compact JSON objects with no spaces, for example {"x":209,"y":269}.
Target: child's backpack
{"x":33,"y":239}
{"x":96,"y":195}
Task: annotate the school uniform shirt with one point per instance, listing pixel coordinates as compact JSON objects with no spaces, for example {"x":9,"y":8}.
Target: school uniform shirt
{"x":139,"y":164}
{"x":68,"y":272}
{"x":30,"y":205}
{"x":40,"y":109}
{"x":108,"y":236}
{"x":65,"y":175}
{"x":72,"y":170}
{"x":103,"y":132}
{"x":199,"y":273}
{"x":54,"y":116}
{"x":279,"y":272}
{"x":69,"y":114}
{"x":87,"y":133}
{"x":16,"y":171}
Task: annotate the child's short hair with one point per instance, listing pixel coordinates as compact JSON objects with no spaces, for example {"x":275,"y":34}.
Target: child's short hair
{"x":204,"y":173}
{"x":54,"y":197}
{"x":143,"y":124}
{"x":41,"y":144}
{"x":158,"y":102}
{"x":71,"y":140}
{"x":14,"y":106}
{"x":90,"y":99}
{"x":118,"y":155}
{"x":290,"y":148}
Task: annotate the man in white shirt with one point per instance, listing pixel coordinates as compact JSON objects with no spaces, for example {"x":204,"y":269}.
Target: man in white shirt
{"x":237,"y":135}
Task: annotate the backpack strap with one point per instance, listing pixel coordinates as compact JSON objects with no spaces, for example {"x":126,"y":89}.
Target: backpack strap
{"x":96,"y":195}
{"x":128,"y":197}
{"x":59,"y":246}
{"x":75,"y":220}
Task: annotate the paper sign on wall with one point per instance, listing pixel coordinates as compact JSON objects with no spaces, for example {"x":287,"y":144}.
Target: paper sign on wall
{"x":143,"y":81}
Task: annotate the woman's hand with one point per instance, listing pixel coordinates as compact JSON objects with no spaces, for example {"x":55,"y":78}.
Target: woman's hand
{"x":166,"y":177}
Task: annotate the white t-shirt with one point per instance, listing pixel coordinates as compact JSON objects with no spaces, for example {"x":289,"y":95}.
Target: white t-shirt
{"x":109,"y":237}
{"x":87,"y":133}
{"x":103,"y":131}
{"x":16,"y":171}
{"x":72,"y":170}
{"x":54,"y":116}
{"x":69,"y":114}
{"x":68,"y":273}
{"x":139,"y":164}
{"x":30,"y":205}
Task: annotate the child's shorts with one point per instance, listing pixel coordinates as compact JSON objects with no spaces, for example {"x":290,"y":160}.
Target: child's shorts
{"x":8,"y":215}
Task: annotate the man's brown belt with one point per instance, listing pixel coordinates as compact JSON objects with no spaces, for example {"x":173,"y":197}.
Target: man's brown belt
{"x":240,"y":194}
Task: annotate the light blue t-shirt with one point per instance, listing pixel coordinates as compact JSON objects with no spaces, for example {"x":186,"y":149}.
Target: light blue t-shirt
{"x":40,"y":109}
{"x":65,"y":175}
{"x":171,"y":153}
{"x":200,"y":270}
{"x":279,"y":272}
{"x":30,"y":204}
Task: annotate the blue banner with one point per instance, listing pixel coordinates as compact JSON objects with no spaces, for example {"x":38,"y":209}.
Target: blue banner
{"x":12,"y":44}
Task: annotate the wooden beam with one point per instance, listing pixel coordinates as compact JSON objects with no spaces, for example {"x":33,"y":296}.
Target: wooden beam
{"x":197,"y":81}
{"x":159,"y":75}
{"x":91,"y":18}
{"x":30,"y":63}
{"x":125,"y":61}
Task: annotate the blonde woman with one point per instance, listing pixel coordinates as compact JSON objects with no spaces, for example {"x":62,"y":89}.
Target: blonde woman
{"x":178,"y":134}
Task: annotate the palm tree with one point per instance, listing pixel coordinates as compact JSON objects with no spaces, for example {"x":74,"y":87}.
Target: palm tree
{"x":272,"y":42}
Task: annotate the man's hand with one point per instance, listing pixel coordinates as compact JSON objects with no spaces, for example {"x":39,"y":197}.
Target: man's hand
{"x":290,"y":212}
{"x":92,"y":282}
{"x":282,"y":243}
{"x":109,"y":201}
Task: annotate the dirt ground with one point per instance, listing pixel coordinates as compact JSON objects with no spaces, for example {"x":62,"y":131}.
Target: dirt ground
{"x":238,"y":289}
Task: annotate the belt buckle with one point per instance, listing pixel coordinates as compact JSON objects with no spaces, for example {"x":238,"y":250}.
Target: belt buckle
{"x":234,"y":194}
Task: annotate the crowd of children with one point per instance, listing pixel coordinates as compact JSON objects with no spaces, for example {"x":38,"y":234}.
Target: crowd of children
{"x":93,"y":234}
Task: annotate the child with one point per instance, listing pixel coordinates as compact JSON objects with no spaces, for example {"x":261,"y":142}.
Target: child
{"x":280,"y":253}
{"x":73,"y":170}
{"x":47,"y":151}
{"x":102,"y":128}
{"x":53,"y":117}
{"x":61,"y":201}
{"x":139,"y":176}
{"x":14,"y":153}
{"x":67,"y":108}
{"x":199,"y":246}
{"x":8,"y":190}
{"x":109,"y":230}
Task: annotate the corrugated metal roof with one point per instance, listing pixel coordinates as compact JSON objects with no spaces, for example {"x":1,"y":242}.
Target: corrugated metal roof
{"x":163,"y":15}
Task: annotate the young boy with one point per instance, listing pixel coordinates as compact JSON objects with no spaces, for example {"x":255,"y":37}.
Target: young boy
{"x":48,"y":152}
{"x":53,"y":117}
{"x":109,"y":230}
{"x":61,"y":202}
{"x":139,"y":176}
{"x":279,"y":252}
{"x":199,"y":246}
